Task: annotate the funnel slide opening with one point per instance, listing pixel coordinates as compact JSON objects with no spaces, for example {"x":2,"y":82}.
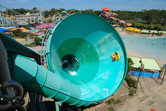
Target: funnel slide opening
{"x":70,"y":64}
{"x":79,"y":50}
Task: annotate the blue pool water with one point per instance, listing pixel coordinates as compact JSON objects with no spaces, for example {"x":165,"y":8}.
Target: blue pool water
{"x":151,"y":47}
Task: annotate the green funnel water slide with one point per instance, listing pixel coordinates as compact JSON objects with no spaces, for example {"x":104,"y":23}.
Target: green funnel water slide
{"x":79,"y":58}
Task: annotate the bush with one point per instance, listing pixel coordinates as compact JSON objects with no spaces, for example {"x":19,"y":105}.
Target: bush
{"x":31,"y":35}
{"x":122,"y":25}
{"x":30,"y":45}
{"x":140,"y":26}
{"x":130,"y":63}
{"x":157,"y":28}
{"x":130,"y":81}
{"x":17,"y":32}
{"x":27,"y":27}
{"x":37,"y":40}
{"x":131,"y":92}
{"x":133,"y":25}
{"x":112,"y":101}
{"x":149,"y":28}
{"x":23,"y":34}
{"x":111,"y":109}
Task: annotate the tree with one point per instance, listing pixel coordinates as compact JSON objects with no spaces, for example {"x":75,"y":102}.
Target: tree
{"x":46,"y":13}
{"x":21,"y":10}
{"x":163,"y":17}
{"x":61,"y":9}
{"x":23,"y":34}
{"x":52,"y":11}
{"x":130,"y":63}
{"x":27,"y":27}
{"x":157,"y":28}
{"x":37,"y":40}
{"x":35,"y":10}
{"x":17,"y":32}
{"x":149,"y":28}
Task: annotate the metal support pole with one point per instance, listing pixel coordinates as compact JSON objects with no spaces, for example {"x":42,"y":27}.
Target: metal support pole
{"x":4,"y":75}
{"x":163,"y":77}
{"x":40,"y":103}
{"x":32,"y":103}
{"x":8,"y":98}
{"x":138,"y":80}
{"x":141,"y":68}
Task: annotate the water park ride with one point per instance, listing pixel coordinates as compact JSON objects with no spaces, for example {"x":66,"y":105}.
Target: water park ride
{"x":107,"y":14}
{"x":15,"y":18}
{"x":59,"y":16}
{"x":81,"y":71}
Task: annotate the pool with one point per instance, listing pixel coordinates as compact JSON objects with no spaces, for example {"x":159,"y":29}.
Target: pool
{"x":151,"y":47}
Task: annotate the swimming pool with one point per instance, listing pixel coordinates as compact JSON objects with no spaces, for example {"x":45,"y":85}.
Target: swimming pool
{"x":151,"y":47}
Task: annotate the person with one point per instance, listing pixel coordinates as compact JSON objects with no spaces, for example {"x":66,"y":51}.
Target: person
{"x":153,"y":33}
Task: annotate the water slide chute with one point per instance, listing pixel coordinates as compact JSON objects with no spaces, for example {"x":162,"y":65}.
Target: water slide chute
{"x":89,"y":47}
{"x":106,"y":13}
{"x":81,"y":68}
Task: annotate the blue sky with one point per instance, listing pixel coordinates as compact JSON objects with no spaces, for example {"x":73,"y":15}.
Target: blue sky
{"x":132,"y":5}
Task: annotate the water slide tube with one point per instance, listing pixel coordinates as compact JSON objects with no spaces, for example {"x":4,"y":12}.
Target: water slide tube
{"x":81,"y":68}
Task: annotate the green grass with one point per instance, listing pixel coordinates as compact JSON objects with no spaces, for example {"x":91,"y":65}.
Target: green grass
{"x":111,"y":109}
{"x":143,"y":23}
{"x":131,"y":93}
{"x":130,"y":81}
{"x":112,"y":101}
{"x":31,"y":45}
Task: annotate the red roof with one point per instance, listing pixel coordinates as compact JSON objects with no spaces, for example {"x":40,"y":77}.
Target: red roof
{"x":45,"y":25}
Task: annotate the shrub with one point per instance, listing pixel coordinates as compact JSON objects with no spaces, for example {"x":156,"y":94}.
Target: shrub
{"x":157,"y":28}
{"x":149,"y":28}
{"x":27,"y":27}
{"x":133,"y":25}
{"x":122,"y":25}
{"x":30,"y":45}
{"x":130,"y":81}
{"x":111,"y":109}
{"x":37,"y":40}
{"x":31,"y":35}
{"x":23,"y":34}
{"x":17,"y":32}
{"x":112,"y":101}
{"x":141,"y":26}
{"x":131,"y":92}
{"x":130,"y":63}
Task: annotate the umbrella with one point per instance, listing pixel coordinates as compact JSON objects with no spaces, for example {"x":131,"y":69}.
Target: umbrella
{"x":2,"y":30}
{"x":45,"y":25}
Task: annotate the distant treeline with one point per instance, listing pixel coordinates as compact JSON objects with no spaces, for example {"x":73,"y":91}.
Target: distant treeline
{"x":153,"y":16}
{"x":150,"y":16}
